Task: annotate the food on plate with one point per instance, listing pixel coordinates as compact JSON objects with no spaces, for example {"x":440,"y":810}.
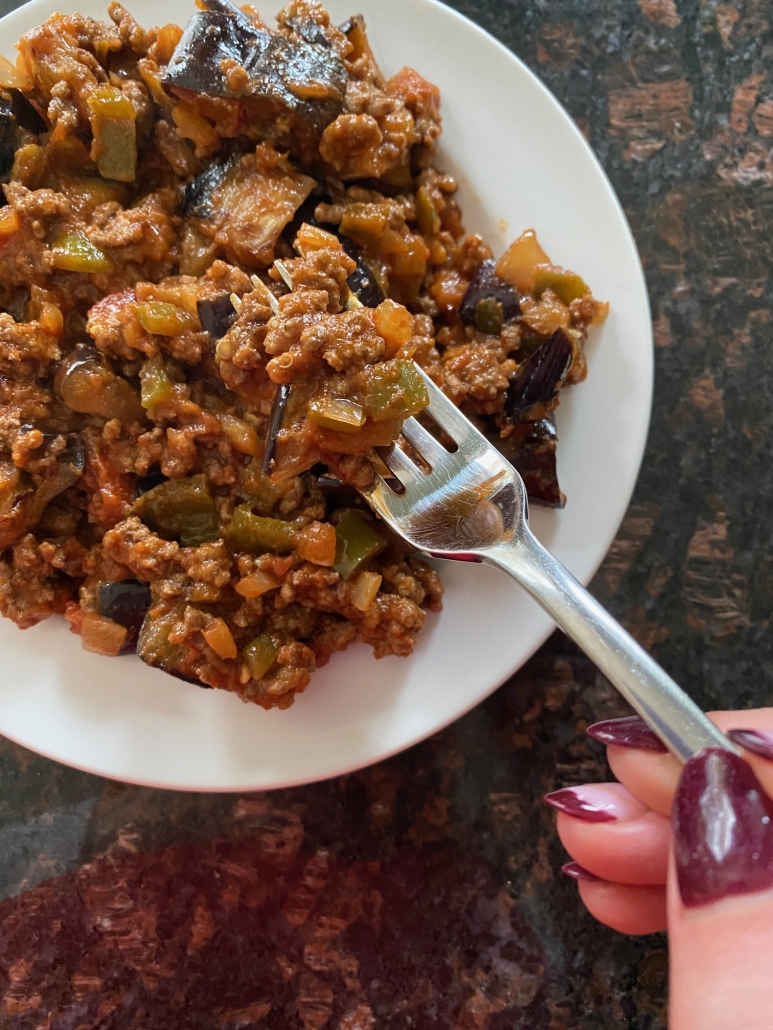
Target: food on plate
{"x":224,"y":250}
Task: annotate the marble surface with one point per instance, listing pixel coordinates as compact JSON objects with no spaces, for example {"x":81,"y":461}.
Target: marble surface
{"x":425,"y":892}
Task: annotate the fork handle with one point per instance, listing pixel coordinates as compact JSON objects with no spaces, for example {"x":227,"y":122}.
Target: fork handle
{"x":663,"y":705}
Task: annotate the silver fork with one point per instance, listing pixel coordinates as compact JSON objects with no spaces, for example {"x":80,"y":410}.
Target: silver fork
{"x":471,"y":505}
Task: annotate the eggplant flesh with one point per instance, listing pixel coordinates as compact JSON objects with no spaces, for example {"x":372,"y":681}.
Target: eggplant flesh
{"x":539,"y":377}
{"x":294,"y":88}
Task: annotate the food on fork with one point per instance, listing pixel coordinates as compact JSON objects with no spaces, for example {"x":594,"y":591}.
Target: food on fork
{"x":224,"y":250}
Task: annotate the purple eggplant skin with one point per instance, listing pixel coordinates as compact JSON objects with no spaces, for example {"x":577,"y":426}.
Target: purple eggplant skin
{"x":276,"y":66}
{"x":362,"y":282}
{"x":186,"y":679}
{"x":127,"y":604}
{"x":540,"y":376}
{"x":337,"y":494}
{"x":198,"y":192}
{"x":309,"y":31}
{"x":216,"y":315}
{"x":278,"y":406}
{"x":8,"y":137}
{"x":487,"y":286}
{"x":210,"y":37}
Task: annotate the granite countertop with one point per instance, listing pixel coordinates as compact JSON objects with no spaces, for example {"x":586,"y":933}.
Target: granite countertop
{"x":424,"y":892}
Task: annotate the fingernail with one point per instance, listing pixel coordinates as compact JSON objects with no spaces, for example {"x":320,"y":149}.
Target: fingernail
{"x":759,"y":742}
{"x":723,"y":829}
{"x":576,"y":872}
{"x":596,"y":803}
{"x":630,"y":732}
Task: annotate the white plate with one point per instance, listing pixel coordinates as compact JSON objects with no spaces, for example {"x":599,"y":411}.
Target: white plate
{"x":521,"y":163}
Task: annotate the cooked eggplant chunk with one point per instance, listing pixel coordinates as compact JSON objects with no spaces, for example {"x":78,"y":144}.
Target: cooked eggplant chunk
{"x":291,"y":89}
{"x":24,"y":508}
{"x":86,"y":384}
{"x":216,"y":315}
{"x":309,"y":31}
{"x":127,"y":604}
{"x":538,"y":379}
{"x":489,"y":301}
{"x":534,"y":456}
{"x":220,"y":33}
{"x":199,"y":192}
{"x":244,"y":206}
{"x":17,"y":116}
{"x":7,"y":137}
{"x":364,"y":285}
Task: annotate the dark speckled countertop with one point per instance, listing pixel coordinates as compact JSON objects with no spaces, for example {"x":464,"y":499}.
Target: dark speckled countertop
{"x":424,"y":892}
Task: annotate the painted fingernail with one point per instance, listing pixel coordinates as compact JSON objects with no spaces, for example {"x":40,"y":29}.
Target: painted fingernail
{"x":723,"y":829}
{"x":759,"y":742}
{"x":596,"y":803}
{"x":576,"y":872}
{"x":630,"y":732}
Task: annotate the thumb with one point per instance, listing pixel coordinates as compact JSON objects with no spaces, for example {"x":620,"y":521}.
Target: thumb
{"x":720,"y":897}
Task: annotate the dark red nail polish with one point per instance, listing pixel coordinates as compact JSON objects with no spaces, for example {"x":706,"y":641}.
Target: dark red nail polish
{"x":630,"y":732}
{"x":723,"y":829}
{"x":759,"y":742}
{"x":576,"y":872}
{"x":568,"y":801}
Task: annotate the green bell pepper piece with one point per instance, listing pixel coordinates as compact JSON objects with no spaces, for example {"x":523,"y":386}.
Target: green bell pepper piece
{"x":426,"y":214}
{"x":393,"y":389}
{"x":337,"y":413}
{"x":164,"y":319}
{"x":568,"y":286}
{"x":489,"y":316}
{"x":180,"y":509}
{"x":257,"y":534}
{"x":156,"y":386}
{"x":153,"y":645}
{"x":260,"y":655}
{"x":356,"y":542}
{"x":258,"y":489}
{"x":74,"y":252}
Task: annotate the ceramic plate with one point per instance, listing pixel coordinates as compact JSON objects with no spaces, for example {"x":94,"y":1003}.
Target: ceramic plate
{"x":521,"y":163}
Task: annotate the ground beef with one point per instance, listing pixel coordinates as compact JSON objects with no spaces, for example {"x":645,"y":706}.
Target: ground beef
{"x":146,"y":555}
{"x":213,"y":300}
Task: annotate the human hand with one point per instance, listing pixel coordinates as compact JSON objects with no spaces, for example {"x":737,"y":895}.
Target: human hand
{"x":689,"y":850}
